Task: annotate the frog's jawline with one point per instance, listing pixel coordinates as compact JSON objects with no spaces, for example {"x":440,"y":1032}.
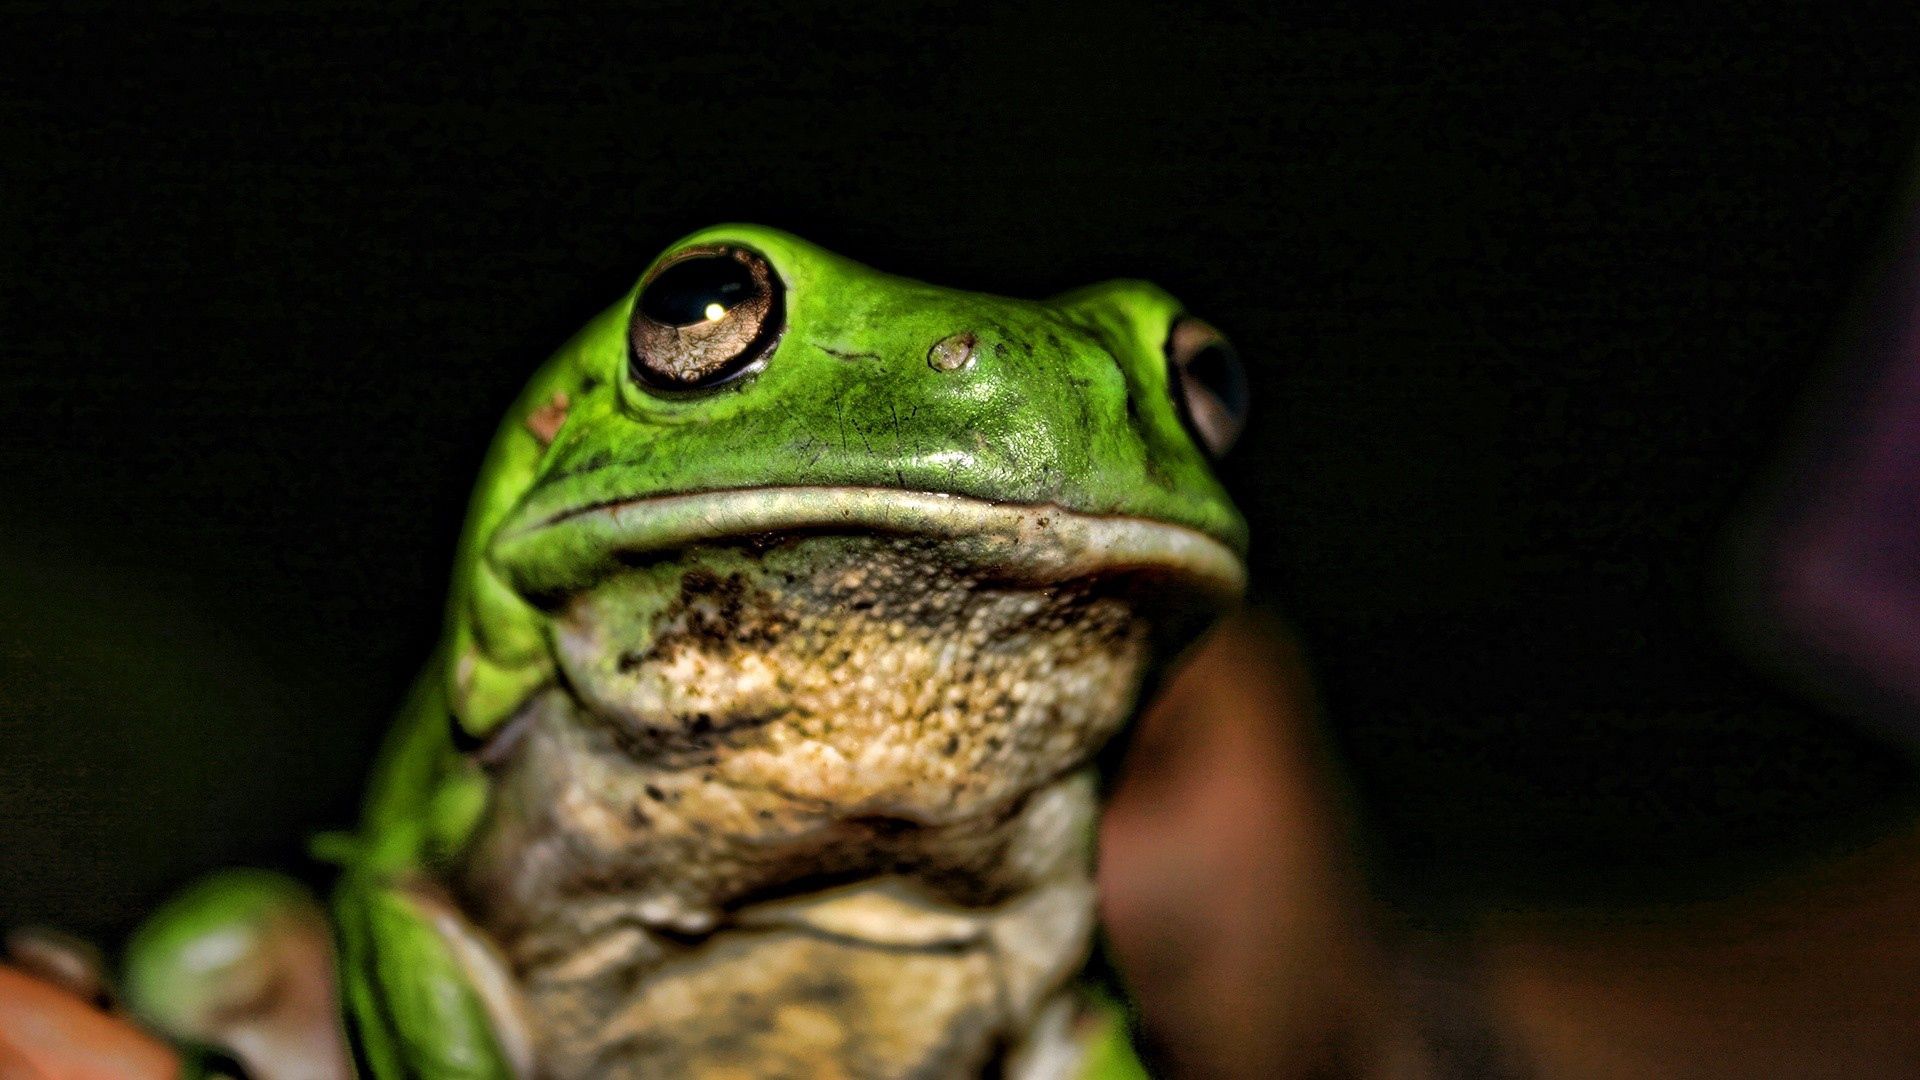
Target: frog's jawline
{"x":1036,"y":542}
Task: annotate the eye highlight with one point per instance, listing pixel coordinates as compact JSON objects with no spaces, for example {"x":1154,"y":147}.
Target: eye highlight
{"x":1208,"y":385}
{"x":703,"y":318}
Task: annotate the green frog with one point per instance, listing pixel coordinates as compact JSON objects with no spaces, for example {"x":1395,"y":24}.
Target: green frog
{"x":795,"y":607}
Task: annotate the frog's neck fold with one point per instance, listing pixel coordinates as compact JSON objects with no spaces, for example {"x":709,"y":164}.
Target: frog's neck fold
{"x":819,"y":808}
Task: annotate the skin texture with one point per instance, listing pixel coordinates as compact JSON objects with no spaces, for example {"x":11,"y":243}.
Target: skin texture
{"x":761,"y":740}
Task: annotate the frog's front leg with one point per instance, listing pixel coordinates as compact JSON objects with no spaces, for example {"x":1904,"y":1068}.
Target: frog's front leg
{"x":426,"y":993}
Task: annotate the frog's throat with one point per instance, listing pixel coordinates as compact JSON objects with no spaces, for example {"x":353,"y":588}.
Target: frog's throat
{"x":562,"y":553}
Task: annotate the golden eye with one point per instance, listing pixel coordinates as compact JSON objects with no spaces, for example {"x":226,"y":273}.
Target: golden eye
{"x":704,"y":317}
{"x":1208,"y":385}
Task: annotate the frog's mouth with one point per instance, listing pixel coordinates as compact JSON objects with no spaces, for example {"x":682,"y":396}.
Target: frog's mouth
{"x":561,"y":553}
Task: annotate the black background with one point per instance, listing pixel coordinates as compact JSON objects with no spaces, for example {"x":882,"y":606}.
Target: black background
{"x":1529,"y":302}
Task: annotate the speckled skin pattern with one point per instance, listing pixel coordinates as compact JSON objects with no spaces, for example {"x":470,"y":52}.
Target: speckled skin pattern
{"x":837,"y":711}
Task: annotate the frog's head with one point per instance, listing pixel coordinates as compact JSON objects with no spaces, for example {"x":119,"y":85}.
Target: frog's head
{"x":752,"y":385}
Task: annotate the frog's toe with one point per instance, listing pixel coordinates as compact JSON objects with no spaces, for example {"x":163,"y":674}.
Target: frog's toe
{"x":243,"y":961}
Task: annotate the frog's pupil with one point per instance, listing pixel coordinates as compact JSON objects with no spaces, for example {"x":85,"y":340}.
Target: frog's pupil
{"x":687,"y":292}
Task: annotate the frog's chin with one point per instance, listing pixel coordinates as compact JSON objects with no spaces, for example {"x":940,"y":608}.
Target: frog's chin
{"x":1037,"y":543}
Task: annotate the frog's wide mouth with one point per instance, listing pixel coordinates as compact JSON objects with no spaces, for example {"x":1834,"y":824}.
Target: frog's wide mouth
{"x":564,"y":552}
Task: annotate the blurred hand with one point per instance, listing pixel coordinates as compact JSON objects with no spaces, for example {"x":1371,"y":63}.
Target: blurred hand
{"x":1227,"y":882}
{"x":47,"y":1033}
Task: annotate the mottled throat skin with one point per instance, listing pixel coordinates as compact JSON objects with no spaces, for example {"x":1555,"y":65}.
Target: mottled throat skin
{"x":826,"y":805}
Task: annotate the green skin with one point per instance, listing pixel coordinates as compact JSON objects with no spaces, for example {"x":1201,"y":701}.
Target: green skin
{"x":1065,"y":404}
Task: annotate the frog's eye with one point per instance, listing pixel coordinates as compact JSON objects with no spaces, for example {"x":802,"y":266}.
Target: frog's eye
{"x":704,"y":317}
{"x":1209,"y":387}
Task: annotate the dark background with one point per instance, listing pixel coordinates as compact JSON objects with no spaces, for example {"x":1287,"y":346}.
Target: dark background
{"x":1529,"y":303}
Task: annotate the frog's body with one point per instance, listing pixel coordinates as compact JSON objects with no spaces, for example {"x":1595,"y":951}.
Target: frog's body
{"x":784,"y":632}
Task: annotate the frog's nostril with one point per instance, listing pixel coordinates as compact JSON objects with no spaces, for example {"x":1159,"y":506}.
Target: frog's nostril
{"x":954,"y":352}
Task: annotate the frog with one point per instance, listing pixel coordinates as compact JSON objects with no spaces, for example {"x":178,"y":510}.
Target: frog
{"x":798,"y":615}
